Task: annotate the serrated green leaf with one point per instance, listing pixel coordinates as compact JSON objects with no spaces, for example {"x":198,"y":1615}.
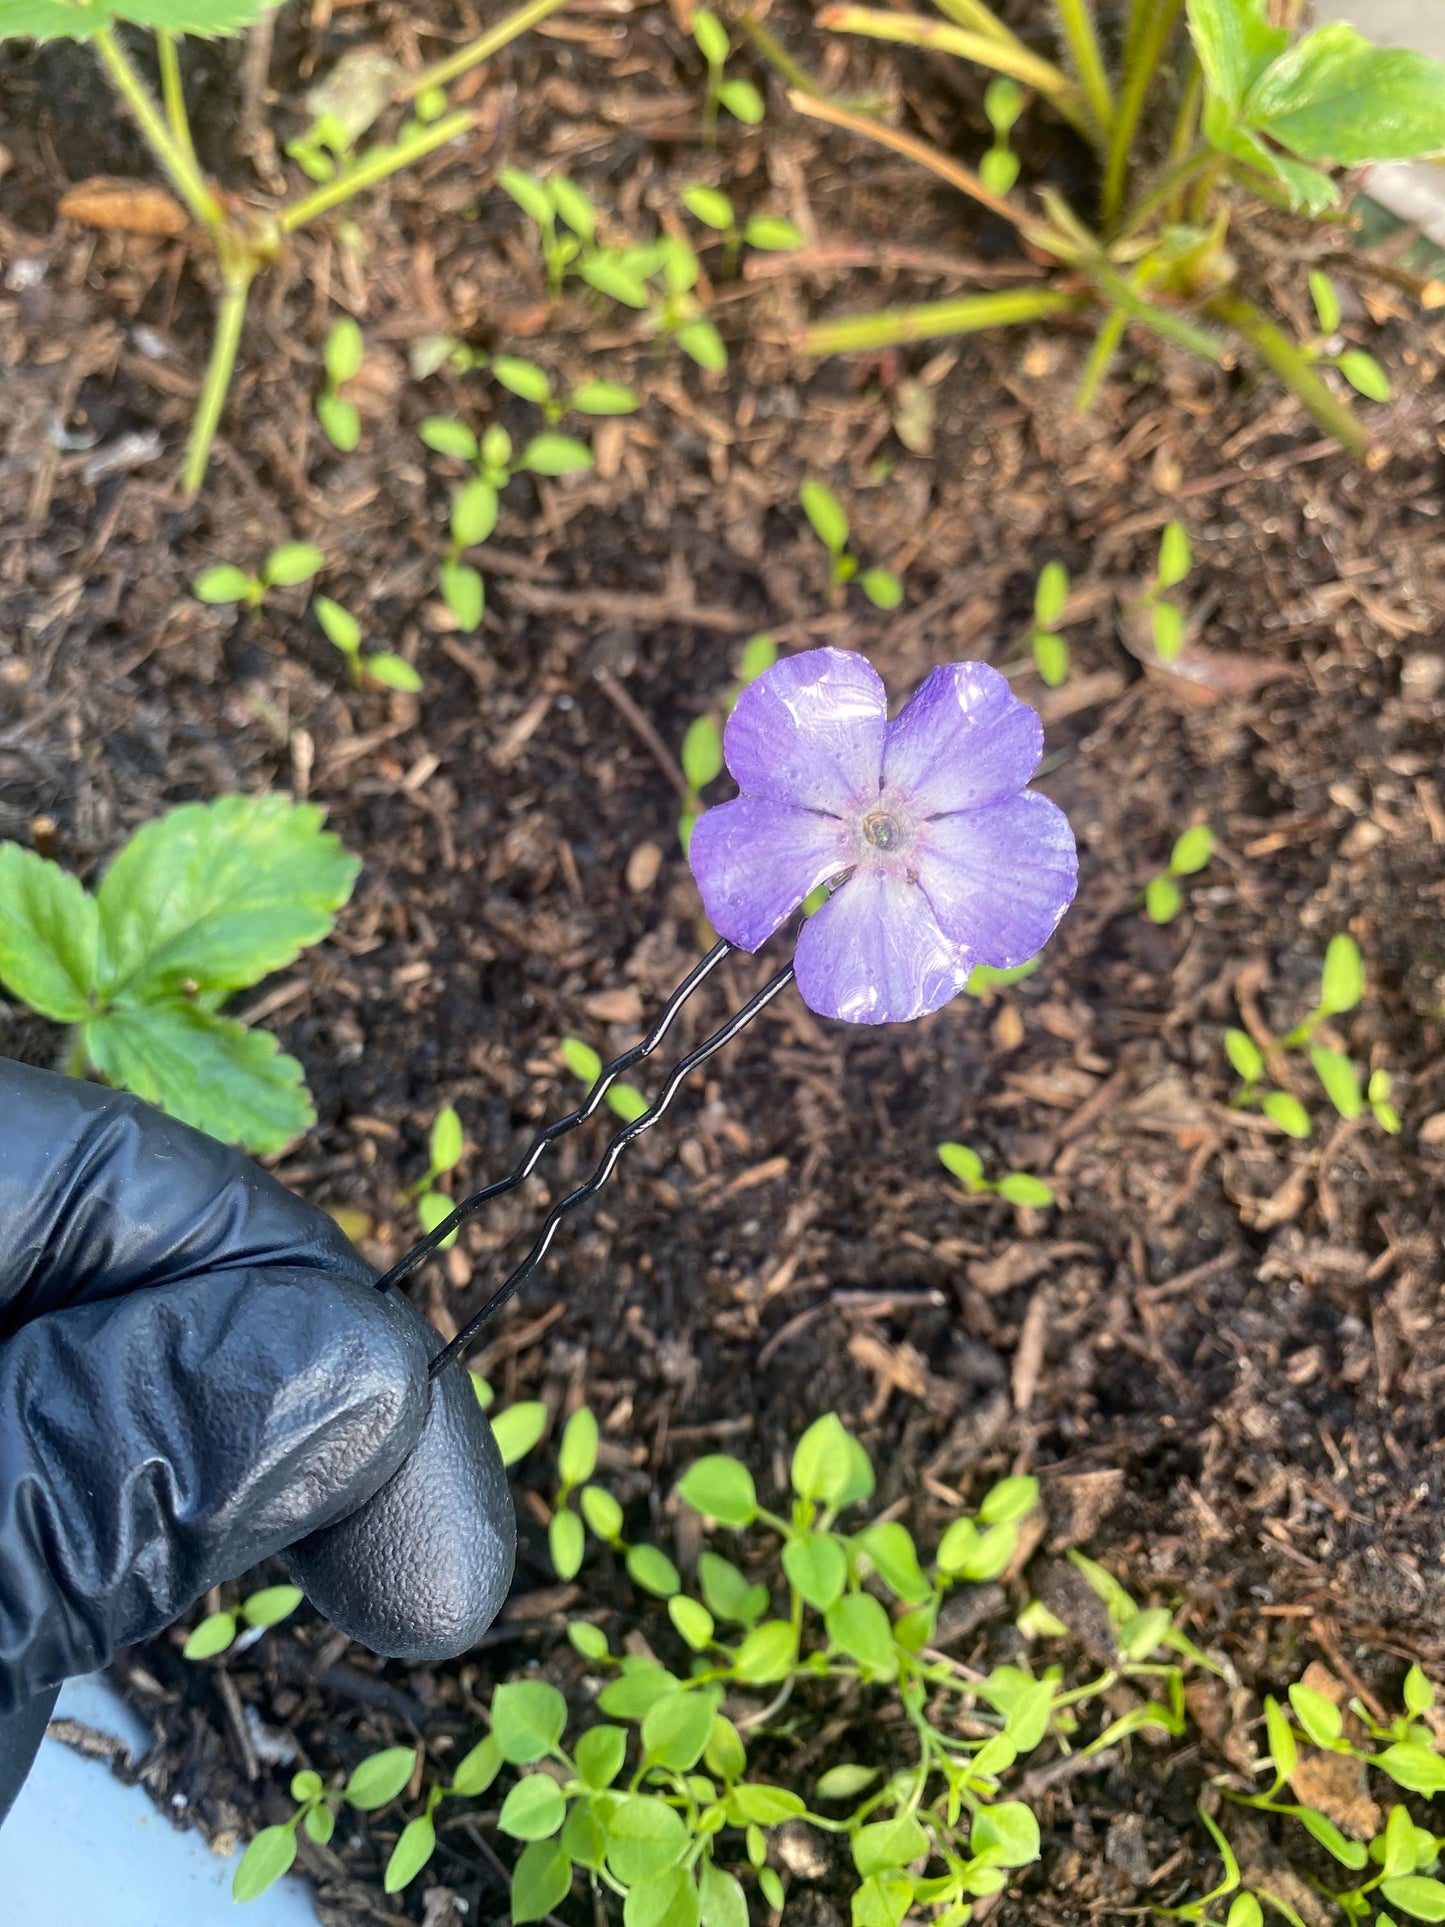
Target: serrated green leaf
{"x":518,"y":1429}
{"x":1333,"y":97}
{"x":219,"y":895}
{"x":1235,"y":44}
{"x":49,"y":935}
{"x":208,"y":1071}
{"x":201,"y":19}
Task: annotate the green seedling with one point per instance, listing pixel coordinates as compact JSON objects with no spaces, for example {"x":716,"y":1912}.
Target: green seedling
{"x":546,"y":203}
{"x":203,"y":902}
{"x":244,"y":241}
{"x":1198,"y":112}
{"x":1163,"y":899}
{"x":769,"y":233}
{"x":1167,"y":617}
{"x":1051,"y":598}
{"x":829,"y":523}
{"x":1014,"y":1187}
{"x":475,"y":504}
{"x":342,"y":358}
{"x":531,"y":383}
{"x":218,"y":1632}
{"x":1360,"y":370}
{"x":284,"y":568}
{"x":1342,"y":985}
{"x":740,"y":97}
{"x":382,"y":668}
{"x":702,"y":744}
{"x":586,"y":1066}
{"x":1003,"y":102}
{"x":445,"y":1148}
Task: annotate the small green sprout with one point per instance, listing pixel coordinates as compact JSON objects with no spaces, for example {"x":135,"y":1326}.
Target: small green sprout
{"x":740,"y":97}
{"x":1342,"y":985}
{"x":586,"y":1066}
{"x":343,"y":632}
{"x":342,"y":358}
{"x":1015,"y":1187}
{"x":1051,"y":597}
{"x":829,"y":523}
{"x":1163,"y":898}
{"x":475,"y":505}
{"x":1167,"y":616}
{"x":702,"y":744}
{"x":433,"y":1207}
{"x":217,"y":1632}
{"x":284,"y":568}
{"x":375,"y":1783}
{"x":1003,"y":102}
{"x":985,"y":979}
{"x":324,"y":149}
{"x":546,"y":202}
{"x":769,"y":233}
{"x":531,"y":383}
{"x":1361,"y":371}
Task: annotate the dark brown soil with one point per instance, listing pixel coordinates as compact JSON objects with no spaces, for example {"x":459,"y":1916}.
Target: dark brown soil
{"x":1223,"y":1352}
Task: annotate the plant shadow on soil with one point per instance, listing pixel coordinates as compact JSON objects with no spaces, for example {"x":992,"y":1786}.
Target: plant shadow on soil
{"x":1222,"y":1352}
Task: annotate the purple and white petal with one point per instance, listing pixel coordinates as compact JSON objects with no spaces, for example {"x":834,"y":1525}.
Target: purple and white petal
{"x":809,"y":732}
{"x":755,"y":861}
{"x":874,"y":954}
{"x":963,"y":742}
{"x":999,"y":879}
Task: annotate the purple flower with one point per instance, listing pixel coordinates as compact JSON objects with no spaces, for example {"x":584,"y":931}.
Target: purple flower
{"x":941,"y":858}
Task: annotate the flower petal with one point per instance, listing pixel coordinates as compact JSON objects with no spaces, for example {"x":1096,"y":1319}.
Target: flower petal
{"x":999,"y":879}
{"x":755,"y":861}
{"x":810,"y":732}
{"x":963,"y":742}
{"x":874,"y":954}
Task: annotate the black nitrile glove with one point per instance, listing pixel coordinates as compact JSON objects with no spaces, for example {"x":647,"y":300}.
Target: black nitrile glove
{"x":195,"y":1374}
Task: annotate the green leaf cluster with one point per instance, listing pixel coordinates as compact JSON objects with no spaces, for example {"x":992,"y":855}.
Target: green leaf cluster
{"x":204,"y":901}
{"x":217,"y":1632}
{"x":961,"y":1161}
{"x":829,"y":522}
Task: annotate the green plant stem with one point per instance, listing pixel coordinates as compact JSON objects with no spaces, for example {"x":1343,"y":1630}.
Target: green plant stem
{"x":1082,"y":37}
{"x":967,"y":315}
{"x":979,"y":19}
{"x":172,"y":92}
{"x":1203,"y":166}
{"x":1295,"y":370}
{"x":795,"y":74}
{"x":912,"y":30}
{"x":443,"y":72}
{"x":1186,"y":121}
{"x":179,"y":165}
{"x":1159,"y":18}
{"x":374,"y":167}
{"x":1106,"y":346}
{"x":230,"y":317}
{"x":1161,"y":321}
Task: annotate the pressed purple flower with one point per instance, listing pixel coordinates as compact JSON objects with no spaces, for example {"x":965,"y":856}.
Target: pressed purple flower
{"x":940,"y":855}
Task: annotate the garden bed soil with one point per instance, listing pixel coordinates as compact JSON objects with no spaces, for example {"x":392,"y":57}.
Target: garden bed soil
{"x":1222,"y":1351}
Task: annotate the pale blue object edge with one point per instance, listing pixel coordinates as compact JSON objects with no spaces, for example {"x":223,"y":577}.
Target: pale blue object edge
{"x":81,"y":1850}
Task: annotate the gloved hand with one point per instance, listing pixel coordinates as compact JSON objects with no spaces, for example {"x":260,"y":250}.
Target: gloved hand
{"x":196,"y":1373}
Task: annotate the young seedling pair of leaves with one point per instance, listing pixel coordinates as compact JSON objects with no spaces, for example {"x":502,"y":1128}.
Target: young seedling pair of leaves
{"x":769,"y":233}
{"x":382,"y":667}
{"x":285,"y":567}
{"x":342,"y":358}
{"x":830,"y":524}
{"x":702,"y":744}
{"x":1003,"y":102}
{"x":1342,"y":984}
{"x":259,"y":1611}
{"x":1163,"y":899}
{"x":532,"y":383}
{"x":1051,"y":598}
{"x":1015,"y":1187}
{"x":203,"y":902}
{"x":444,"y":1154}
{"x":1166,"y":616}
{"x":1360,"y":370}
{"x":740,"y":97}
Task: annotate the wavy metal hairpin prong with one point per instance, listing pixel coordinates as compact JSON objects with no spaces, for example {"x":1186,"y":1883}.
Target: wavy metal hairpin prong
{"x":609,"y":1074}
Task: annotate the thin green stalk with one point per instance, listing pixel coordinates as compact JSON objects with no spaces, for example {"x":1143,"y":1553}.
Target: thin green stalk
{"x":1160,"y":19}
{"x":172,"y":92}
{"x":1160,"y":321}
{"x":443,"y":72}
{"x":931,"y":319}
{"x":179,"y":165}
{"x":230,"y":316}
{"x":913,"y":30}
{"x":795,"y":74}
{"x":1106,"y":346}
{"x":1186,"y":121}
{"x":379,"y":165}
{"x":1295,"y":370}
{"x":1206,"y":161}
{"x":1082,"y":37}
{"x":979,"y":19}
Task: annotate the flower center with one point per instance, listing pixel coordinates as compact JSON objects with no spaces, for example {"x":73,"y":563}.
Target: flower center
{"x":883,"y":831}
